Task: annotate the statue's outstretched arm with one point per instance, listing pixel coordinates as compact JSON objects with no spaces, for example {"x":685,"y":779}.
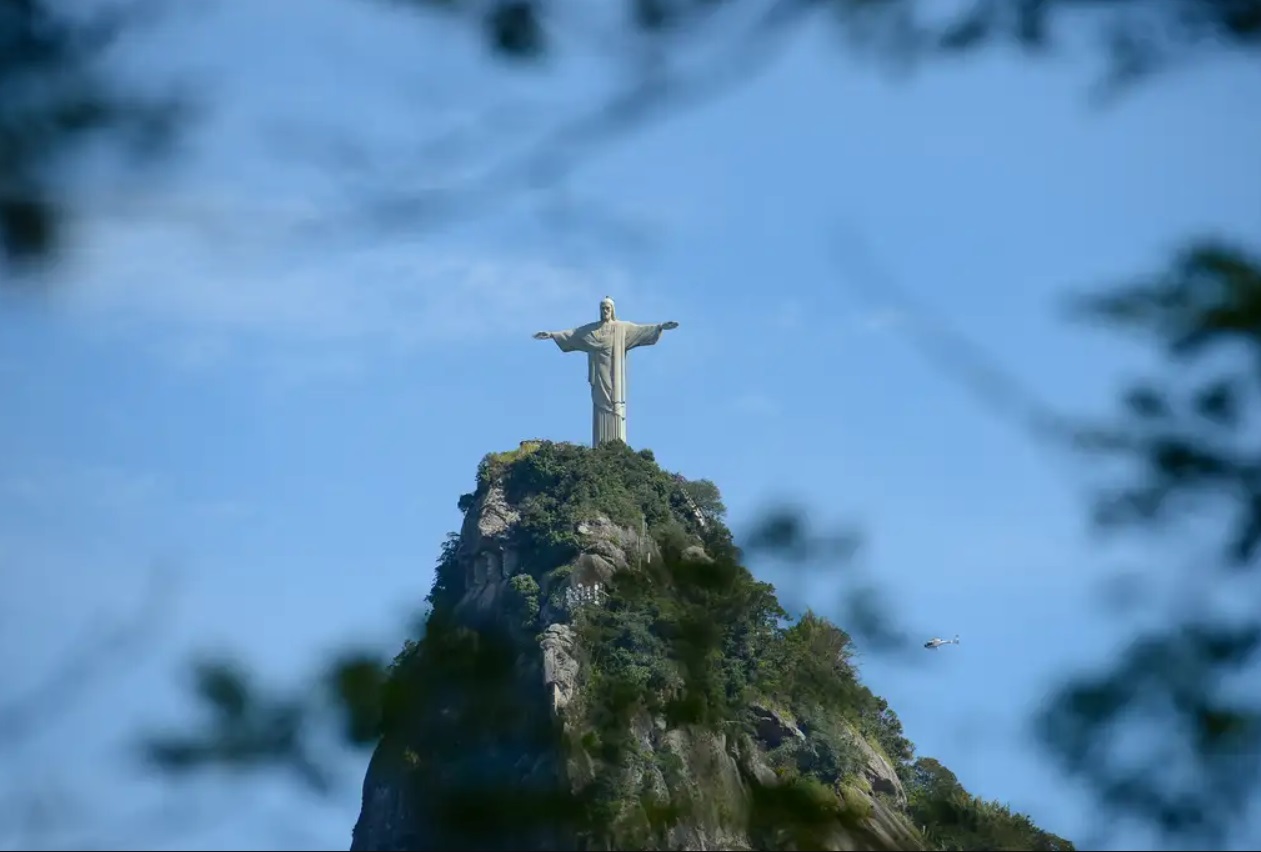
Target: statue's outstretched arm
{"x":568,"y":341}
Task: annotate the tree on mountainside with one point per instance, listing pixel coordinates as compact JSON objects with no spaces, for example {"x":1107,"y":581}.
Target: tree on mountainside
{"x":957,"y":820}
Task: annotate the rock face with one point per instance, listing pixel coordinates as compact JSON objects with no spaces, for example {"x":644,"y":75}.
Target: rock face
{"x":519,"y":739}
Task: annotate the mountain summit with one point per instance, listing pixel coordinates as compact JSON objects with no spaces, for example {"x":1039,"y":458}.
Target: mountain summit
{"x":599,"y":671}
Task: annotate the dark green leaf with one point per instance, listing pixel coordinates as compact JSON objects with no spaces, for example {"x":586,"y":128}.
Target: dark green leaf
{"x":1147,"y":403}
{"x":224,"y":687}
{"x":1219,"y":402}
{"x":175,"y":754}
{"x":515,"y":29}
{"x":652,"y":15}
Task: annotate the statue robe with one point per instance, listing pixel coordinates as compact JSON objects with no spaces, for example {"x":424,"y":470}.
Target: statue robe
{"x":606,"y":345}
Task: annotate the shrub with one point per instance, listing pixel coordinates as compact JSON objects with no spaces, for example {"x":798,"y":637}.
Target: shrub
{"x":525,"y":599}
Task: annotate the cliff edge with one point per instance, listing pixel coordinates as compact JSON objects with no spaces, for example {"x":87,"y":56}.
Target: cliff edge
{"x":599,"y":671}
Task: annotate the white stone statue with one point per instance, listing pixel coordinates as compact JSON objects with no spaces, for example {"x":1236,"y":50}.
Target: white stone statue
{"x":606,"y":343}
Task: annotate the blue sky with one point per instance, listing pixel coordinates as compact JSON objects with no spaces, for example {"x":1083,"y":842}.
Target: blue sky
{"x":284,"y":421}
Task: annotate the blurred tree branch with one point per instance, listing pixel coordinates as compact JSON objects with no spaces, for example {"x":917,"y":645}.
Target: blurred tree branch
{"x":1191,"y":445}
{"x":1187,"y":443}
{"x":56,"y":99}
{"x":102,"y":652}
{"x":58,"y":94}
{"x":36,"y":816}
{"x":247,"y":726}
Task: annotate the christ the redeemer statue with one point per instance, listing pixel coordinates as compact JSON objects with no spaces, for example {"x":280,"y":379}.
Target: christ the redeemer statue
{"x":606,"y":343}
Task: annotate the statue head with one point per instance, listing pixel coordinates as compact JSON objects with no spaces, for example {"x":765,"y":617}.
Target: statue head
{"x":607,"y":312}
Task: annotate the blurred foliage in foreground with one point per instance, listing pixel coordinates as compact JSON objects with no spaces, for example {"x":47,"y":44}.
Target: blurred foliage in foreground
{"x":57,"y":101}
{"x":62,"y":104}
{"x":1186,"y":439}
{"x":1189,"y":442}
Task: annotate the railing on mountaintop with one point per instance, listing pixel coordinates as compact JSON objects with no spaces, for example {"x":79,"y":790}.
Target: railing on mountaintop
{"x":580,"y":595}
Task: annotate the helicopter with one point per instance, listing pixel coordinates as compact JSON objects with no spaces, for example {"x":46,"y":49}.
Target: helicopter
{"x":934,"y":644}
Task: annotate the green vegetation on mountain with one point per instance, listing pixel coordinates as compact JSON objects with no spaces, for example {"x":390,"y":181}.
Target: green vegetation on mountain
{"x":689,"y":639}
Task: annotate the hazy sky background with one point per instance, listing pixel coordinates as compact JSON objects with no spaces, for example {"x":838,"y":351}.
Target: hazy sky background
{"x":286,"y":419}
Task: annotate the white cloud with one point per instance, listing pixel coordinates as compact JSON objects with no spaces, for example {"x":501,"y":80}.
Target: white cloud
{"x":206,"y":298}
